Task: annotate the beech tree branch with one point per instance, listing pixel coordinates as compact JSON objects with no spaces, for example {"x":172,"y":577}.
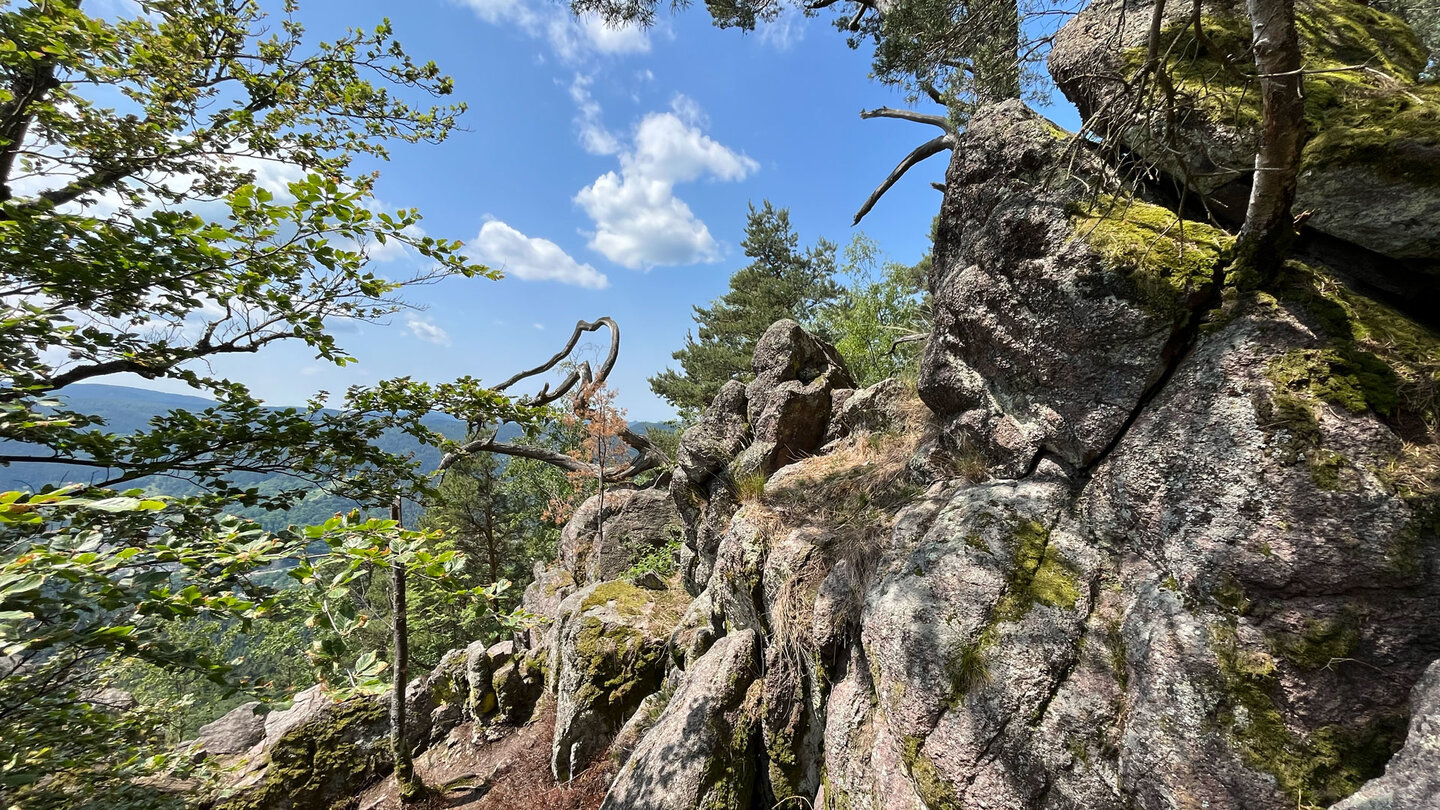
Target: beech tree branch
{"x":923,"y":151}
{"x":647,"y":455}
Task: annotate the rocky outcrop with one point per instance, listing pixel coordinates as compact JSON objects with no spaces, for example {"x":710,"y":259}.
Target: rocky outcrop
{"x":750,"y":431}
{"x":1371,"y":171}
{"x":700,"y":753}
{"x":1152,"y":542}
{"x":1055,"y":309}
{"x":1412,"y":779}
{"x":608,"y":654}
{"x":610,"y":532}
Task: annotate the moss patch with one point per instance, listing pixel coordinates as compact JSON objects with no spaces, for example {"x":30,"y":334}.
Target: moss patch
{"x":1320,"y":641}
{"x":934,"y":790}
{"x":1379,"y":117}
{"x":1171,"y":261}
{"x":1038,"y":575}
{"x":618,"y":664}
{"x":318,"y":762}
{"x":1320,"y":766}
{"x":1375,"y":358}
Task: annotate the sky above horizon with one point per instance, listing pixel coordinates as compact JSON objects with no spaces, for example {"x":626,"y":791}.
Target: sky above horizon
{"x":608,"y":172}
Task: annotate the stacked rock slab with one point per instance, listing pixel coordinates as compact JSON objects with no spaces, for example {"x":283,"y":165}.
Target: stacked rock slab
{"x":753,"y":430}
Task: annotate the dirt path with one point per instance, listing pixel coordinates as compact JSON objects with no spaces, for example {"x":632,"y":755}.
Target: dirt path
{"x":510,"y":773}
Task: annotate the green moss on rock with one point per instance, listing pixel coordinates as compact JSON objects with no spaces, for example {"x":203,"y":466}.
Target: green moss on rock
{"x":1038,"y":575}
{"x":1320,"y":642}
{"x":1374,"y":358}
{"x":1322,"y":765}
{"x":1171,"y":261}
{"x":1379,"y":117}
{"x":617,"y":664}
{"x":933,"y":789}
{"x":323,"y":760}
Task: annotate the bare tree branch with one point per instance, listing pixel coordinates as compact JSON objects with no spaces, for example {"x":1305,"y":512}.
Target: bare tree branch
{"x":923,"y":151}
{"x":647,"y":455}
{"x":910,"y":115}
{"x":583,"y":373}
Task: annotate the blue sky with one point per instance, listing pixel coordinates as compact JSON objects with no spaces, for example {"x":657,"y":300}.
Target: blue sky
{"x":608,"y":173}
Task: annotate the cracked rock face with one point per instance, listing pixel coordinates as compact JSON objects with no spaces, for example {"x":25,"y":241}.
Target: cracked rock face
{"x":1039,"y":344}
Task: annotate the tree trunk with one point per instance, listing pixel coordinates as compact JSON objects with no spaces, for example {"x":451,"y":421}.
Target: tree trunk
{"x":490,"y":543}
{"x":406,"y":782}
{"x":1269,"y":229}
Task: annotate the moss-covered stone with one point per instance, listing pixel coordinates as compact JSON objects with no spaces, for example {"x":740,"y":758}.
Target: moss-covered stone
{"x":618,"y":664}
{"x":1171,"y":261}
{"x":1374,"y":358}
{"x":933,"y":789}
{"x":1379,"y":116}
{"x":1321,"y":765}
{"x":324,"y":759}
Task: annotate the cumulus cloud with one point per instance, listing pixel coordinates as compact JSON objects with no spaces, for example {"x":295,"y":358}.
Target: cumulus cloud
{"x":427,"y":331}
{"x":531,"y":258}
{"x":639,"y":222}
{"x":569,"y":38}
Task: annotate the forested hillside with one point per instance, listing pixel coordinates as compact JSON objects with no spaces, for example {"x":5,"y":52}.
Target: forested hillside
{"x":1110,"y":481}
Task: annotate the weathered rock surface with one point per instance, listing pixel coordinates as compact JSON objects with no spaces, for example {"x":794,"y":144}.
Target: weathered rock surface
{"x":700,"y":487}
{"x":1412,"y":779}
{"x":611,"y":531}
{"x":789,"y":401}
{"x":1201,"y":572}
{"x":700,"y":753}
{"x":319,"y":751}
{"x":608,"y":655}
{"x":1040,"y":343}
{"x":235,"y":733}
{"x":1367,"y":126}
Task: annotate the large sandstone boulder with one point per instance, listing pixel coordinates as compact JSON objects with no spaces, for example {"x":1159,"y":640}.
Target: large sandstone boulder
{"x":701,"y":751}
{"x":1054,"y":313}
{"x":608,"y":654}
{"x":320,"y":751}
{"x":789,"y":401}
{"x":1371,"y":170}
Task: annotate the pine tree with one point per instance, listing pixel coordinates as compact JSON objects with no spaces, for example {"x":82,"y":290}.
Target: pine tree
{"x":782,"y":281}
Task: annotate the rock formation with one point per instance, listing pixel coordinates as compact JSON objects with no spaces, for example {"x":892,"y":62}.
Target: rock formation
{"x":1135,"y":538}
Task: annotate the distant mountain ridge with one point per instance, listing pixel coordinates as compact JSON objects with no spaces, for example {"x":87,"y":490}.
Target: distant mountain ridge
{"x":126,"y":410}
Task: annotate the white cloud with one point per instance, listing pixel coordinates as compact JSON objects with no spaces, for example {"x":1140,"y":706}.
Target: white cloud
{"x":594,"y":137}
{"x":539,"y":326}
{"x":785,"y":31}
{"x":531,"y":258}
{"x":568,"y":37}
{"x":639,"y":222}
{"x":427,"y":331}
